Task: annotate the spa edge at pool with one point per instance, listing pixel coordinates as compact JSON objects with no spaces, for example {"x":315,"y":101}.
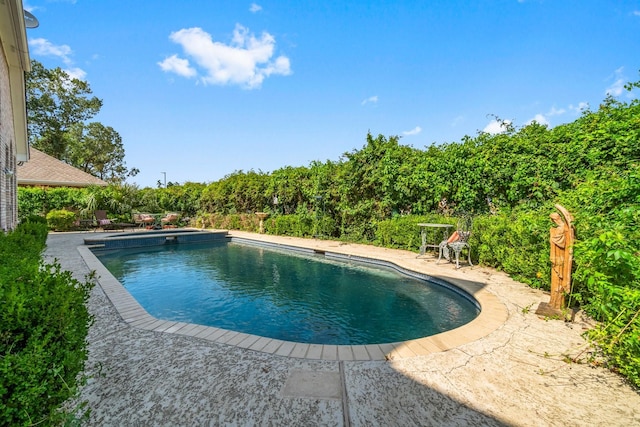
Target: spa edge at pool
{"x":288,"y":345}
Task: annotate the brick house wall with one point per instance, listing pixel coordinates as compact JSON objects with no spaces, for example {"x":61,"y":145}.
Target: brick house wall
{"x":14,"y":146}
{"x":8,"y":202}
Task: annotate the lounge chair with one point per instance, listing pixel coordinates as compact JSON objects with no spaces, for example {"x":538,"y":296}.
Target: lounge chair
{"x":101,"y":220}
{"x":106,"y":224}
{"x":170,"y":219}
{"x":144,"y":220}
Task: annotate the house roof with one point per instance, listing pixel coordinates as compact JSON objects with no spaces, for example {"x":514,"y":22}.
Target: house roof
{"x":45,"y":170}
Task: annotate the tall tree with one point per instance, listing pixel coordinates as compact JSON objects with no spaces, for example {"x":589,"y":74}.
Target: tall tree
{"x":55,"y":102}
{"x":97,"y":149}
{"x":58,"y":107}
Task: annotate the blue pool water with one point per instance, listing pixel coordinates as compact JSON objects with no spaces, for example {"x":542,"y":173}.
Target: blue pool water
{"x":285,"y":295}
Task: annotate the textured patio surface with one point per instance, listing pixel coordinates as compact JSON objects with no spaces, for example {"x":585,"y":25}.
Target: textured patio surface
{"x":510,"y":373}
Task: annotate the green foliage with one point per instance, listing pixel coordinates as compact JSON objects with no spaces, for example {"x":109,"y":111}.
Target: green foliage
{"x":120,"y":200}
{"x":55,"y":102}
{"x":301,"y":224}
{"x":290,"y":187}
{"x":32,"y":225}
{"x":516,"y":242}
{"x":619,"y":336}
{"x":607,"y":276}
{"x":403,"y":231}
{"x":97,"y":150}
{"x":509,"y":182}
{"x":244,"y":222}
{"x":43,"y":327}
{"x":179,"y":198}
{"x":238,"y":192}
{"x":61,"y":220}
{"x":290,"y":225}
{"x":58,"y":107}
{"x":39,"y":201}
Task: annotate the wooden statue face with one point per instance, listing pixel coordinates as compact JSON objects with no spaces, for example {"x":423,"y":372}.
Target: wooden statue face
{"x":556,"y":218}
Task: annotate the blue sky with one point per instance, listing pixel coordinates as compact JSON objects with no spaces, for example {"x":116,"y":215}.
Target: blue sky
{"x":200,"y":89}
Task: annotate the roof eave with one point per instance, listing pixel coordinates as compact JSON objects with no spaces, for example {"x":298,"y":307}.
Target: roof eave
{"x":42,"y":183}
{"x":16,"y":50}
{"x":20,"y":115}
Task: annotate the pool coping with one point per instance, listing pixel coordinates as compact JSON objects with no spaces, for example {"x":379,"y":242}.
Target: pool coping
{"x":493,"y":315}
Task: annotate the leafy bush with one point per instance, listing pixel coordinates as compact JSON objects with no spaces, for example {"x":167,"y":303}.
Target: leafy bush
{"x":607,"y":283}
{"x":118,"y":200}
{"x":290,"y":225}
{"x":285,"y":225}
{"x":403,"y":231}
{"x":61,"y":220}
{"x":244,"y":222}
{"x":43,"y":327}
{"x":34,"y":226}
{"x":516,"y":242}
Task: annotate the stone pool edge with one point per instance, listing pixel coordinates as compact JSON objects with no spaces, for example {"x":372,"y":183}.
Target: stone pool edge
{"x":492,"y":315}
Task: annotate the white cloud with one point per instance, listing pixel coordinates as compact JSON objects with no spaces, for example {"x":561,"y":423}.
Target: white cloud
{"x":416,"y":130}
{"x":543,"y":119}
{"x":540,"y":119}
{"x":44,"y":47}
{"x":556,"y":111}
{"x":246,"y":61}
{"x":76,"y":73}
{"x":580,"y":107}
{"x":617,"y":87}
{"x":255,"y":8}
{"x":370,"y":100}
{"x":177,"y":65}
{"x":495,"y":127}
{"x":636,"y":12}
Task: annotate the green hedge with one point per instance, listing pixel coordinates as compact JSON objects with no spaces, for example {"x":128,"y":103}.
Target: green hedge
{"x":61,"y":220}
{"x":43,"y":327}
{"x":516,"y":242}
{"x":244,"y":222}
{"x":403,"y":232}
{"x":607,"y":284}
{"x":298,"y":225}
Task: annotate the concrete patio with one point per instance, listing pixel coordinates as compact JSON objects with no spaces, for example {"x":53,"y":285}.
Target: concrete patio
{"x":507,"y":372}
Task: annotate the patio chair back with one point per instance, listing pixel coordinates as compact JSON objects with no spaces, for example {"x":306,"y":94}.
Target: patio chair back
{"x":458,"y":242}
{"x":464,"y":228}
{"x":100,"y":215}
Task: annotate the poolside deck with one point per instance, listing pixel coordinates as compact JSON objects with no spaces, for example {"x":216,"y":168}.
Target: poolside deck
{"x":509,"y":373}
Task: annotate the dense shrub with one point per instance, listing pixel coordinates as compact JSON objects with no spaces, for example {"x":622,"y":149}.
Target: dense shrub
{"x":302,"y":224}
{"x":289,"y":225}
{"x":516,"y":242}
{"x":43,"y":327}
{"x":403,"y":231}
{"x":607,"y":277}
{"x":244,"y":222}
{"x":607,"y":282}
{"x":297,"y":225}
{"x":61,"y":220}
{"x":118,"y":200}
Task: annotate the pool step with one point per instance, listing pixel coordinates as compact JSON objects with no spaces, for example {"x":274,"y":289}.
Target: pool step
{"x":155,"y":238}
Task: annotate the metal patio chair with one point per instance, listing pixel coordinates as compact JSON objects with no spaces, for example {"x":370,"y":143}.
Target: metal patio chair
{"x":458,"y":242}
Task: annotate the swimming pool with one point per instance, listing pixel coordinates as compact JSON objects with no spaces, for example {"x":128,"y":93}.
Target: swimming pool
{"x":291,"y":296}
